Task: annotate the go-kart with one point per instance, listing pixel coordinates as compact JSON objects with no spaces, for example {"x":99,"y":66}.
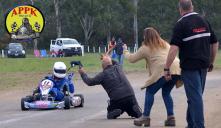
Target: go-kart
{"x":45,"y":100}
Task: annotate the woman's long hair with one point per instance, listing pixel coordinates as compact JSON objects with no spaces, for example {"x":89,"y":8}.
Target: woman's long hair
{"x":152,"y":39}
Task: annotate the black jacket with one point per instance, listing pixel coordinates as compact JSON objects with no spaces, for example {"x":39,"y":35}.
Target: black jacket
{"x":119,"y":47}
{"x":113,"y":81}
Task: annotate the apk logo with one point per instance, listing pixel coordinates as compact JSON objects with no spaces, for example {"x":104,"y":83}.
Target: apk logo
{"x":24,"y":22}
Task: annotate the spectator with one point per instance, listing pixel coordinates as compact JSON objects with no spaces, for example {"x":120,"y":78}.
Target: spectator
{"x":196,"y":42}
{"x":111,"y":45}
{"x":154,"y":50}
{"x":119,"y":51}
{"x":53,"y":53}
{"x":60,"y":53}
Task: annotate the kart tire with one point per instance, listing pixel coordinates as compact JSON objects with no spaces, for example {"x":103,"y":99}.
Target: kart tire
{"x":67,"y":102}
{"x":23,"y":100}
{"x":82,"y":99}
{"x":30,"y":98}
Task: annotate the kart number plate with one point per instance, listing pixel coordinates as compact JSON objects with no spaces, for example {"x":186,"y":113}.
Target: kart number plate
{"x":42,"y":104}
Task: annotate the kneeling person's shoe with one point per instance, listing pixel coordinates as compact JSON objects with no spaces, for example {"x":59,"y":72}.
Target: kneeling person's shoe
{"x":136,"y":111}
{"x":114,"y":114}
{"x":142,"y":121}
{"x":170,"y":121}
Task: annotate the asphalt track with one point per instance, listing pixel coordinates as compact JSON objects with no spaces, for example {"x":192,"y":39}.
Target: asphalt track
{"x":93,"y":114}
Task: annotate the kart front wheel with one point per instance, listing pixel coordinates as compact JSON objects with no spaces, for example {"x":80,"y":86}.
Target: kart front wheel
{"x":23,"y":100}
{"x":82,"y":99}
{"x":67,"y":102}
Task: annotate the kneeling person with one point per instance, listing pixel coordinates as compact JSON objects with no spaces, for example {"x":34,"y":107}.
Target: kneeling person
{"x":118,"y":88}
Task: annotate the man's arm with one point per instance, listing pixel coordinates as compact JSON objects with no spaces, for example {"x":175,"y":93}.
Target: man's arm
{"x":213,"y":49}
{"x":170,"y":58}
{"x":91,"y":81}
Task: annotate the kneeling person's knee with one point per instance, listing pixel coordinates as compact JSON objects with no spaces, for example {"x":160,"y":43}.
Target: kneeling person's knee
{"x":114,"y":114}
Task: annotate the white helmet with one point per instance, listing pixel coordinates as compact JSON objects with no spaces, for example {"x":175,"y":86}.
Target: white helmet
{"x":59,"y":69}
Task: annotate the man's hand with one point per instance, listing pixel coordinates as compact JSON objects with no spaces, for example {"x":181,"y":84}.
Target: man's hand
{"x":81,"y":70}
{"x":210,"y":69}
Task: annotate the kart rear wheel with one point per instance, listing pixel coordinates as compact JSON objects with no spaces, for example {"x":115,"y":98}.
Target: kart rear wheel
{"x":23,"y":100}
{"x":82,"y":99}
{"x":67,"y":102}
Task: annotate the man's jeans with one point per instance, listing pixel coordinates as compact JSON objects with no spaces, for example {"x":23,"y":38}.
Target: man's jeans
{"x":151,"y":90}
{"x":194,"y":83}
{"x":120,"y":59}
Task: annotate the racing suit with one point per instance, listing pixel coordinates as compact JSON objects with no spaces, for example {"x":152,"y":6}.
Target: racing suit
{"x":57,"y":90}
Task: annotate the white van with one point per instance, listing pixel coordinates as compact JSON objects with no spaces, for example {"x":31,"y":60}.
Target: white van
{"x":69,"y":46}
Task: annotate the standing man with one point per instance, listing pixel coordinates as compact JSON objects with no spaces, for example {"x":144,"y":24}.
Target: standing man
{"x":119,"y":51}
{"x":197,"y":44}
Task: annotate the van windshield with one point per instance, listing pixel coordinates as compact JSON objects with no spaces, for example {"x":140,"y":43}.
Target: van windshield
{"x":69,"y":42}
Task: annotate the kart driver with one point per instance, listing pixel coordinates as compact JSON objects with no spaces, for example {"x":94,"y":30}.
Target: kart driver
{"x":59,"y":79}
{"x":118,"y":88}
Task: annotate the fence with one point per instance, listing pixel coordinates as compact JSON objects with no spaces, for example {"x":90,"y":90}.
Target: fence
{"x":86,"y":49}
{"x":103,"y":49}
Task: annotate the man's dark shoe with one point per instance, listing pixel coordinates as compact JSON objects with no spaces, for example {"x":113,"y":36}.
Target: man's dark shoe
{"x":142,"y":121}
{"x":114,"y":114}
{"x":170,"y":121}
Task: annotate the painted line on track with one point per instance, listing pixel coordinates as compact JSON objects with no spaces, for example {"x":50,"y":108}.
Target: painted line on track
{"x":2,"y":122}
{"x":86,"y":118}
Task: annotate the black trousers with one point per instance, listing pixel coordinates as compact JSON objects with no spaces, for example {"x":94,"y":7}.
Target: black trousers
{"x":127,"y":104}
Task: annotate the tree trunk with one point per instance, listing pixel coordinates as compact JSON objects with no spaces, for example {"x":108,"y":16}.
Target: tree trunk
{"x":87,"y":23}
{"x":35,"y":41}
{"x":108,"y":32}
{"x":58,"y":21}
{"x":109,"y":25}
{"x":135,"y":23}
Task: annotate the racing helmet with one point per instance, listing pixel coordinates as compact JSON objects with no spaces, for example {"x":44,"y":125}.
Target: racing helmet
{"x":59,"y":69}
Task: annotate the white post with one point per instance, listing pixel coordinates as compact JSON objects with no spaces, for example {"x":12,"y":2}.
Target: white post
{"x":129,"y":49}
{"x":99,"y":49}
{"x":3,"y":55}
{"x":88,"y":49}
{"x":105,"y":49}
{"x":82,"y":50}
{"x":93,"y":49}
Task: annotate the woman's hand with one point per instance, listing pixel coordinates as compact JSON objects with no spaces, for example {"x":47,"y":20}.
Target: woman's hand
{"x":167,"y":74}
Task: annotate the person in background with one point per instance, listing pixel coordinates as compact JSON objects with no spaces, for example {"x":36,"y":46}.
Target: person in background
{"x":119,"y":51}
{"x":117,"y":86}
{"x":111,"y":45}
{"x":53,"y":53}
{"x":197,"y":44}
{"x":154,"y":51}
{"x":60,"y":53}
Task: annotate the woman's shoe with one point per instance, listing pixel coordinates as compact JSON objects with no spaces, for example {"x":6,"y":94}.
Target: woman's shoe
{"x":170,"y":121}
{"x":142,"y":121}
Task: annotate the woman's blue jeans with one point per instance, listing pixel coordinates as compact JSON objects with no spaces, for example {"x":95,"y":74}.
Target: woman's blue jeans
{"x":166,"y":86}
